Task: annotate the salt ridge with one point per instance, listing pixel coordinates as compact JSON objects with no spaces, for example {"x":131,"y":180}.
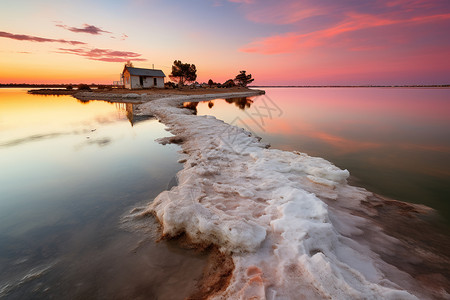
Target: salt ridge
{"x":263,"y":206}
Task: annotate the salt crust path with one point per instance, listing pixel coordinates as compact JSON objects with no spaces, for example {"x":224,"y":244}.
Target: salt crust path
{"x":264,"y":207}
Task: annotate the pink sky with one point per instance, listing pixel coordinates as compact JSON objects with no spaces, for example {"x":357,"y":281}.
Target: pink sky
{"x":283,"y":42}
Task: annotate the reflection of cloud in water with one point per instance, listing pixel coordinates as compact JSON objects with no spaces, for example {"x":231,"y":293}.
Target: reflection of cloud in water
{"x":100,"y":142}
{"x":112,"y":118}
{"x":39,"y":137}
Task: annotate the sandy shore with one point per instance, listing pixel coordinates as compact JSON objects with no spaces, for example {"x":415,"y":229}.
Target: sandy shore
{"x":408,"y":249}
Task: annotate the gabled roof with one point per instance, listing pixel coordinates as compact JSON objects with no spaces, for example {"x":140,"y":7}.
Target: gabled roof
{"x":145,"y":72}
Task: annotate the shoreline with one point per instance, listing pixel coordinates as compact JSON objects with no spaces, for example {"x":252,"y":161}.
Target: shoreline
{"x":438,"y":86}
{"x":117,"y":92}
{"x":418,"y":250}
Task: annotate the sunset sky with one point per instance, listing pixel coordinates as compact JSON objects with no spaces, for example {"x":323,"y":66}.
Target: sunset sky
{"x":284,"y":42}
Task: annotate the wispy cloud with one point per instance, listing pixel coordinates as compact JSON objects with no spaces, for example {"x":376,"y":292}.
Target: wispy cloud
{"x":288,"y":12}
{"x":24,"y":37}
{"x":384,"y":19}
{"x":219,"y":3}
{"x":19,"y":52}
{"x":86,"y":28}
{"x":243,"y":1}
{"x":106,"y":55}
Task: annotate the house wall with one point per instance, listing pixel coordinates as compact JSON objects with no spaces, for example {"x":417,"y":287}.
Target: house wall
{"x":135,"y":83}
{"x":126,"y":80}
{"x":160,"y":82}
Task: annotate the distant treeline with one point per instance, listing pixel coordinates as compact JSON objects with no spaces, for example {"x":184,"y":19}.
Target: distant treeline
{"x":351,"y":86}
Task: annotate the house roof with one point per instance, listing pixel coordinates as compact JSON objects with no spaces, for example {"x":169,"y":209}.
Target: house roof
{"x":145,"y":72}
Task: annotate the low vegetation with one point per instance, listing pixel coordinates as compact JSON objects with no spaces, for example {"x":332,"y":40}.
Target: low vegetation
{"x":84,"y":87}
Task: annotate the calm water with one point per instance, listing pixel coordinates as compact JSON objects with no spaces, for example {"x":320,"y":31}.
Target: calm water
{"x":68,"y":172}
{"x":394,"y":141}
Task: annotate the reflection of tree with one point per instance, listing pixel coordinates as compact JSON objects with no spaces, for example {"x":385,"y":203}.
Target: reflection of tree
{"x":83,"y":101}
{"x":241,"y":102}
{"x":191,"y":105}
{"x":210,"y":104}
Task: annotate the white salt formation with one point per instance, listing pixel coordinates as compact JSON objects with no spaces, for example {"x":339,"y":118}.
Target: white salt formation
{"x":265,"y":207}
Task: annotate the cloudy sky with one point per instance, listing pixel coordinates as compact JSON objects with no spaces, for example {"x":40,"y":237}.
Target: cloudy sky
{"x":283,"y":42}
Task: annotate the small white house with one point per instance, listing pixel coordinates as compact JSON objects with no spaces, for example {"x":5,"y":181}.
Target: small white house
{"x":138,"y":78}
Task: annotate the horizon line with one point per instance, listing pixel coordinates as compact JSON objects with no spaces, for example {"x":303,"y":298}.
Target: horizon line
{"x":250,"y":86}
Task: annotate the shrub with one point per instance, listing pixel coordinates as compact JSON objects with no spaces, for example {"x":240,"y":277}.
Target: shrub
{"x":229,"y":83}
{"x":83,"y":87}
{"x":170,"y":84}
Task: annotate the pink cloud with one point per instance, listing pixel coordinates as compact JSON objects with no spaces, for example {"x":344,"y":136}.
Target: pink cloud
{"x":90,"y":29}
{"x":274,"y":44}
{"x":24,"y":37}
{"x":292,"y":11}
{"x":106,"y":55}
{"x":292,"y":41}
{"x":286,"y":13}
{"x":410,"y":4}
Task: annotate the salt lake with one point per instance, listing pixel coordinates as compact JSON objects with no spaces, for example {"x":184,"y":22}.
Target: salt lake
{"x":70,"y":172}
{"x":394,"y":141}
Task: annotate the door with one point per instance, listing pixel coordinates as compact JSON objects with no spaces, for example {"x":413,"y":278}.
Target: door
{"x":141,"y":80}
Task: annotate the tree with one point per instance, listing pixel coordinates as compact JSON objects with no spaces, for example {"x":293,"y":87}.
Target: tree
{"x":183,"y":72}
{"x":210,"y":83}
{"x":229,"y":83}
{"x":129,"y":64}
{"x":243,"y":79}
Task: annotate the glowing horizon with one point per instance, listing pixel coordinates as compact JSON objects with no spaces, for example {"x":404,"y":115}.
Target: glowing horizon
{"x":280,"y":43}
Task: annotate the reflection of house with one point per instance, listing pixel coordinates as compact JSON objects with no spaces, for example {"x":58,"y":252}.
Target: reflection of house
{"x":132,"y":114}
{"x":138,"y":78}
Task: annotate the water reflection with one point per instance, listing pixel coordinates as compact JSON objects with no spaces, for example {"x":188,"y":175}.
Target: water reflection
{"x":133,"y":116}
{"x":83,"y":101}
{"x":69,"y":173}
{"x":192,"y":106}
{"x":241,"y":102}
{"x":32,"y":138}
{"x":393,"y":141}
